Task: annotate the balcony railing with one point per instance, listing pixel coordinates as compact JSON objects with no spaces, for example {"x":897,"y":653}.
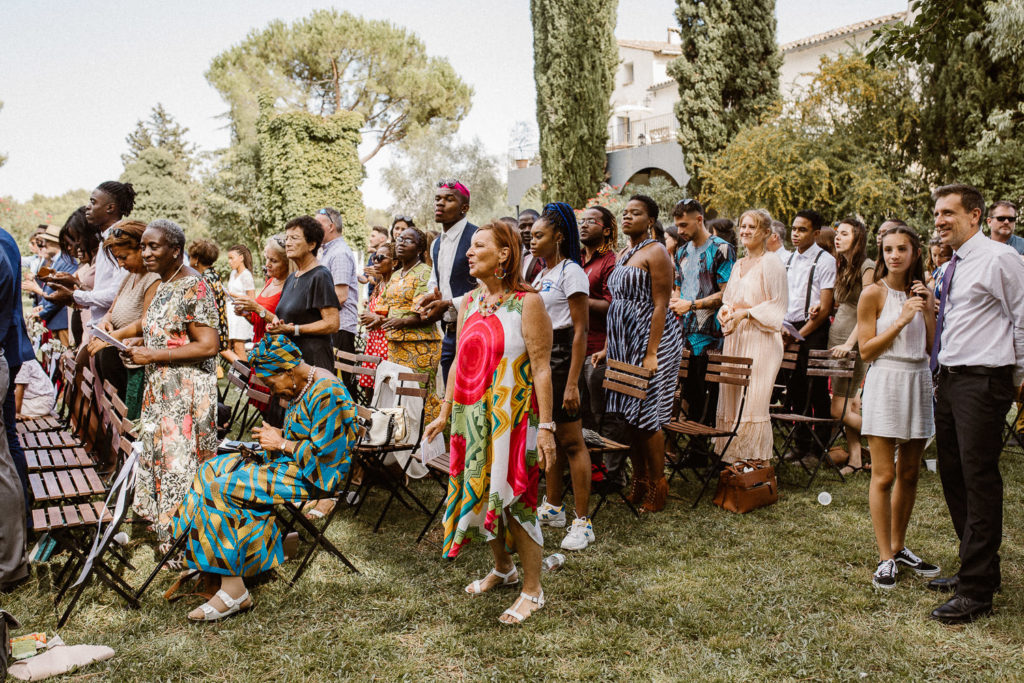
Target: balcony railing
{"x":624,"y":133}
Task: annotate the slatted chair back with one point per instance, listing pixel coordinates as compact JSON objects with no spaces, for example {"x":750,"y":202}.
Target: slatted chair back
{"x":68,"y":388}
{"x":623,"y":378}
{"x":352,"y":364}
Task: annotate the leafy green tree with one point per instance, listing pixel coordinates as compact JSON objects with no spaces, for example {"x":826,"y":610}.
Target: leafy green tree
{"x":970,"y":67}
{"x":307,"y":161}
{"x":21,"y":218}
{"x":728,"y":72}
{"x":159,"y":163}
{"x":422,"y":159}
{"x":334,"y":61}
{"x":574,"y":60}
{"x":847,"y":145}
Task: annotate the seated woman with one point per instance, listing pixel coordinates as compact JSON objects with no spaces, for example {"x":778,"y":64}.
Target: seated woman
{"x":124,"y":319}
{"x":232,"y":530}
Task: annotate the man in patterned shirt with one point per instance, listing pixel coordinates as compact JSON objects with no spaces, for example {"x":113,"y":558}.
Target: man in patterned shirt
{"x":703,"y":266}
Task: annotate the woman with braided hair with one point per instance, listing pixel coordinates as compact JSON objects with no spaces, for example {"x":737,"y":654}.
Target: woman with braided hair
{"x":564,"y":287}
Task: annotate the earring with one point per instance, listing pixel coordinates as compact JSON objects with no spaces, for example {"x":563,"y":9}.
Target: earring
{"x":499,"y":272}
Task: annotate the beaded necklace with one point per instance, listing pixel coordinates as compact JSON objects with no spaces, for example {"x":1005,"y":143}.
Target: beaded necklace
{"x":490,"y":309}
{"x":309,"y":383}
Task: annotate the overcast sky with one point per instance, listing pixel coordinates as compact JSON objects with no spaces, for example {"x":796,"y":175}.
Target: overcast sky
{"x":76,"y":75}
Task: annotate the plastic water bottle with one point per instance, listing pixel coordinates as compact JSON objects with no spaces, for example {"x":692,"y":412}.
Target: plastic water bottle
{"x":553,"y":563}
{"x":824,"y":497}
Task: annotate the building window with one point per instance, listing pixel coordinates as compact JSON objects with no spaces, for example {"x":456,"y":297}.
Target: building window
{"x":627,"y":73}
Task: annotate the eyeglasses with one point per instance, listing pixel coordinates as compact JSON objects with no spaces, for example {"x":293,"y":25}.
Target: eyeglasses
{"x":1007,"y":219}
{"x":407,"y":240}
{"x":590,"y":221}
{"x":120,"y":232}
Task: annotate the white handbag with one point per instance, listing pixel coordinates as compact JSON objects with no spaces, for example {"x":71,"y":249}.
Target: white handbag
{"x":387,"y":426}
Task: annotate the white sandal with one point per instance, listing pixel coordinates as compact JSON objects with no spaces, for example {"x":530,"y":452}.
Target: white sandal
{"x":506,"y":580}
{"x":539,"y":601}
{"x":234,"y":606}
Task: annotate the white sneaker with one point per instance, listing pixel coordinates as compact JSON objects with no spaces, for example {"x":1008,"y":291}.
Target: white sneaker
{"x":580,"y":535}
{"x":550,"y":515}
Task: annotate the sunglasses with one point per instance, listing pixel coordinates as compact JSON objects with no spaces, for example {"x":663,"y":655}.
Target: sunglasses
{"x":451,"y":182}
{"x":688,"y":205}
{"x":280,"y":242}
{"x":121,"y":232}
{"x":378,"y":258}
{"x":1007,"y":219}
{"x":404,"y":219}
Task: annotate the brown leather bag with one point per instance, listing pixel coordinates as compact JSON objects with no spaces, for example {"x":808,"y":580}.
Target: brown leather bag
{"x":741,"y":492}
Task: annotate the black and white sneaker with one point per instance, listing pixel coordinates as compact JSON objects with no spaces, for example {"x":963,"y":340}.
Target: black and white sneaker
{"x":916,"y":564}
{"x":885,"y":576}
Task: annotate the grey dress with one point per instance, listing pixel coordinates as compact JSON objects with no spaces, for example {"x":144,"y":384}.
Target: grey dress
{"x":843,"y":324}
{"x":13,"y":565}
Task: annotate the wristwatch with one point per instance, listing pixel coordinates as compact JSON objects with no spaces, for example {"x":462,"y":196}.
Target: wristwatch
{"x":296,"y":327}
{"x":550,"y":426}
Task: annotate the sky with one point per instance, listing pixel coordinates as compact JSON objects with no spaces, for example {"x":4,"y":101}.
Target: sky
{"x":76,"y":75}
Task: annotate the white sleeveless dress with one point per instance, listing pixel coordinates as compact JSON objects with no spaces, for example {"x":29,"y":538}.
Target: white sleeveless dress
{"x":897,"y":399}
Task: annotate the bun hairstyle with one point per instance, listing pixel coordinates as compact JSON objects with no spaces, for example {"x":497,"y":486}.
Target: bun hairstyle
{"x":916,"y":270}
{"x":204,"y":252}
{"x":124,"y":234}
{"x":246,"y":255}
{"x":507,"y":238}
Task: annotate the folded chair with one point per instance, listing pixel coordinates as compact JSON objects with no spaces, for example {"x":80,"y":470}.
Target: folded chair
{"x":734,"y":370}
{"x":630,"y":380}
{"x":820,"y":363}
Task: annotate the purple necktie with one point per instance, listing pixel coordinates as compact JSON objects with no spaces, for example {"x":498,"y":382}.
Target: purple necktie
{"x":947,"y":280}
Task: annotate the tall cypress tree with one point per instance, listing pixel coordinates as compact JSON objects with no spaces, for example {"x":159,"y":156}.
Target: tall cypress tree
{"x":728,"y":72}
{"x":574,"y":60}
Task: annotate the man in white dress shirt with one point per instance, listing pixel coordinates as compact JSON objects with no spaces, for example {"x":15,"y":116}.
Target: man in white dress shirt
{"x":978,"y":358}
{"x":811,"y":274}
{"x":449,"y":278}
{"x":109,"y":202}
{"x":777,"y":241}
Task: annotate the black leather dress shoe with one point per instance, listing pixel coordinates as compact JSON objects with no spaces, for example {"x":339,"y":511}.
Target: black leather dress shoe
{"x":945,"y":584}
{"x":960,"y":610}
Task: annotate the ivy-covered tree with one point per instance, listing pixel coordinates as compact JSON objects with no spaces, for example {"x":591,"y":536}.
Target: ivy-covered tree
{"x":574,"y":60}
{"x":728,"y":72}
{"x":159,"y":163}
{"x":970,"y":68}
{"x":306,"y":162}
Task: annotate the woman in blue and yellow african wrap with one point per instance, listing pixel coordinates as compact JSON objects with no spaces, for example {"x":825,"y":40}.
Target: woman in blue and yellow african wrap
{"x":229,"y":514}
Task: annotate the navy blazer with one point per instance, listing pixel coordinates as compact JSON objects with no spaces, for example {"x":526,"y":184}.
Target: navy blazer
{"x":14,"y":340}
{"x":53,"y":314}
{"x":459,"y":279}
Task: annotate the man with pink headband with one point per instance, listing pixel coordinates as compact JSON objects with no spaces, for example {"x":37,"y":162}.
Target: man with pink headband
{"x":450,"y":278}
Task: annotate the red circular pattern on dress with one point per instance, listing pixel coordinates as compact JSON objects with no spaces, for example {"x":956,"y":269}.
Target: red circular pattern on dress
{"x":481,"y":345}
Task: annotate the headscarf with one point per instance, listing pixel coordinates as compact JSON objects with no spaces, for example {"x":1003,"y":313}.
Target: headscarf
{"x":274,"y":354}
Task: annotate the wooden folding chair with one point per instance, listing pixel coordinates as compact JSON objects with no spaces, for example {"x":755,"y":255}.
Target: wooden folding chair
{"x":352,"y":363}
{"x":373,"y":459}
{"x":820,"y":363}
{"x":630,"y":380}
{"x":1013,"y":437}
{"x":72,"y":527}
{"x":721,"y":369}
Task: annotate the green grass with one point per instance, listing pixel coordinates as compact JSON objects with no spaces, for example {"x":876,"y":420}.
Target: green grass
{"x":781,"y":593}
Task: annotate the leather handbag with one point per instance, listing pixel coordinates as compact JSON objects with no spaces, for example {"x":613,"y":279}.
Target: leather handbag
{"x":746,"y":485}
{"x":387,"y":426}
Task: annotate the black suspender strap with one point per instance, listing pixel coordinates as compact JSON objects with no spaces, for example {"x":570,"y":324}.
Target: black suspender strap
{"x":810,"y":284}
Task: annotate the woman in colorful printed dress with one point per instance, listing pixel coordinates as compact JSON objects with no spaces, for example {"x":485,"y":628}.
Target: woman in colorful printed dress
{"x":643,"y":331}
{"x":202,"y":254}
{"x":179,"y":403}
{"x":376,"y":313}
{"x":753,"y":306}
{"x":228,"y":514}
{"x":411,"y":341}
{"x":499,"y":373}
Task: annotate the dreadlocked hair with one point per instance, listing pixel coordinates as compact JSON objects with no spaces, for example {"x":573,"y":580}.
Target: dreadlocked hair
{"x":123,"y":195}
{"x":561,"y":215}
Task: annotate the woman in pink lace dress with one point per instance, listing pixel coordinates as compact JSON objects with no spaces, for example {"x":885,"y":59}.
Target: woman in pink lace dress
{"x":753,"y":306}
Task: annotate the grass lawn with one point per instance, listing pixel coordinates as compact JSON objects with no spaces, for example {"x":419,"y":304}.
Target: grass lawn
{"x":782,"y":593}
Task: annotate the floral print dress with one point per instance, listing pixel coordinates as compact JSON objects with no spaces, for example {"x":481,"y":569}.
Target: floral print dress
{"x":179,"y":402}
{"x":494,"y":471}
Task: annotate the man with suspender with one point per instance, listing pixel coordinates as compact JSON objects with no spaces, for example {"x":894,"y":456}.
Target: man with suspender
{"x":811,"y":273}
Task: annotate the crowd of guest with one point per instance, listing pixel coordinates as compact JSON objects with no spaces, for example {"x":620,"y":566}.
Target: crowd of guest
{"x":515,"y":324}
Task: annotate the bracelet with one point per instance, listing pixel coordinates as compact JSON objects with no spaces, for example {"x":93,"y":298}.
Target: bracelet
{"x":168,"y":355}
{"x":296,"y":327}
{"x":549,"y":426}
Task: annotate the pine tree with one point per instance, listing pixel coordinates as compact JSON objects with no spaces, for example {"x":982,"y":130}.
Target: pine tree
{"x":728,"y":72}
{"x":574,"y":60}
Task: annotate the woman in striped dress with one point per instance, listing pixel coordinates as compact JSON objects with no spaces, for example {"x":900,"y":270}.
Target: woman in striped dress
{"x":643,"y":331}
